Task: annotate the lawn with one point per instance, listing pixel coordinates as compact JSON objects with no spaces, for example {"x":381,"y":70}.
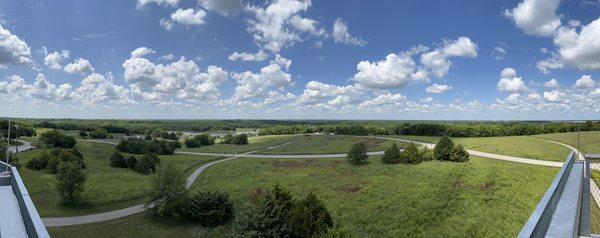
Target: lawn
{"x":328,"y":144}
{"x":521,"y":146}
{"x":588,"y":140}
{"x":106,"y":188}
{"x":481,"y":198}
{"x":254,"y":143}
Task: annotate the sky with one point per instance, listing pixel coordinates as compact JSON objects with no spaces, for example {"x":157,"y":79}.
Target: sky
{"x":301,"y":59}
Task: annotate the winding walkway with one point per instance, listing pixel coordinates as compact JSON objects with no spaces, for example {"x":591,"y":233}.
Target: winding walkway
{"x":111,"y":215}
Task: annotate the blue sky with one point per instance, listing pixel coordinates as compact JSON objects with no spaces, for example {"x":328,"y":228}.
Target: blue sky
{"x":298,"y":59}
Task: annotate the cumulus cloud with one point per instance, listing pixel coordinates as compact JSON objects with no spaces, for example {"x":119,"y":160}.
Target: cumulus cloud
{"x":280,"y":24}
{"x":171,"y":3}
{"x":96,"y":88}
{"x":534,"y":96}
{"x":182,"y":79}
{"x":552,"y":83}
{"x":437,"y":60}
{"x":224,"y":7}
{"x":580,"y":49}
{"x":245,"y":56}
{"x":317,"y":92}
{"x":438,"y":88}
{"x":384,"y":99}
{"x":12,"y":49}
{"x":141,"y":52}
{"x":498,"y":53}
{"x":394,"y":71}
{"x":52,"y":60}
{"x":509,"y":82}
{"x":553,"y":96}
{"x":258,"y":85}
{"x":187,"y":17}
{"x":585,"y":82}
{"x":80,"y":65}
{"x":536,"y":17}
{"x":341,"y":34}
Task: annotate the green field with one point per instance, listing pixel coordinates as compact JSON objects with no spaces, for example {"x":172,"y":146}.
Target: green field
{"x":106,"y":188}
{"x":589,"y":141}
{"x":254,"y":143}
{"x":520,"y":146}
{"x":482,"y":198}
{"x":328,"y":144}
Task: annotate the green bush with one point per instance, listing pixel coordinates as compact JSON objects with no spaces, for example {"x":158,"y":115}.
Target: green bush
{"x":131,"y":162}
{"x":57,"y":139}
{"x":147,"y":164}
{"x":459,"y":154}
{"x":411,"y":155}
{"x":211,"y":209}
{"x":310,"y":218}
{"x":240,"y":139}
{"x":99,"y":133}
{"x":83,"y":134}
{"x":391,"y":155}
{"x":39,"y":162}
{"x":358,"y":154}
{"x":269,"y":217}
{"x":169,"y":197}
{"x":53,"y":164}
{"x":427,"y":154}
{"x":199,"y":140}
{"x":71,"y":181}
{"x":118,"y":161}
{"x":140,"y":146}
{"x":443,"y":149}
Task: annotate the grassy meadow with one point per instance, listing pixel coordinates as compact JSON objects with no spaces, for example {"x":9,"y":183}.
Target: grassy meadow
{"x":106,"y":188}
{"x":329,"y":144}
{"x":589,"y":141}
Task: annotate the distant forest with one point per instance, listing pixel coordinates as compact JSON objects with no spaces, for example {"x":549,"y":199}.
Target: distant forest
{"x":342,"y":127}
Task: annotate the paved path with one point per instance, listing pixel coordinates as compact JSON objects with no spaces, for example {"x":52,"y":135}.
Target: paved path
{"x":78,"y":220}
{"x":25,"y":145}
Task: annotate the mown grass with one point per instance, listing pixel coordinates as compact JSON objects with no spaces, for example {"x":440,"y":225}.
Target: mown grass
{"x":254,"y":143}
{"x":481,"y":198}
{"x":329,"y":144}
{"x":589,"y":141}
{"x":106,"y":188}
{"x":521,"y":146}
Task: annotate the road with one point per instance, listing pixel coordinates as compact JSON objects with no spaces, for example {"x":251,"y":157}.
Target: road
{"x":26,"y":145}
{"x":111,"y":215}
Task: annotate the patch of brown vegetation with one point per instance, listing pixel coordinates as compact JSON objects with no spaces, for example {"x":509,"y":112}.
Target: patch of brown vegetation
{"x":350,"y":188}
{"x":460,"y":185}
{"x":257,"y":194}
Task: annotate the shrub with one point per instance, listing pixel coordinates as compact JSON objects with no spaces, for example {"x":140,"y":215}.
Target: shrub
{"x":411,"y":155}
{"x":443,"y":149}
{"x":169,"y":135}
{"x":310,"y":218}
{"x":200,"y":140}
{"x":391,"y":155}
{"x":269,"y":217}
{"x":169,"y":196}
{"x":99,"y":133}
{"x":426,"y":154}
{"x":211,"y":209}
{"x":39,"y":162}
{"x":139,"y":146}
{"x":459,"y":154}
{"x":70,"y":182}
{"x":131,"y":162}
{"x":240,"y":139}
{"x":147,"y":164}
{"x":53,"y":164}
{"x":65,"y":155}
{"x":118,"y":161}
{"x":83,"y":134}
{"x":358,"y":154}
{"x":57,"y":139}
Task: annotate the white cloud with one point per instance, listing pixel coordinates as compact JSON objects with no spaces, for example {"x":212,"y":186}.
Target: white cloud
{"x":574,"y":23}
{"x":384,"y":99}
{"x":394,"y":71}
{"x":280,"y":24}
{"x":509,"y":82}
{"x":585,"y":82}
{"x":52,"y":60}
{"x":189,"y":16}
{"x":141,"y":52}
{"x":167,"y":57}
{"x":438,"y":88}
{"x":80,"y":65}
{"x":536,"y":17}
{"x":341,"y":34}
{"x":167,"y":24}
{"x":43,"y":89}
{"x":316,"y":92}
{"x":258,"y":85}
{"x":553,"y":96}
{"x":245,"y":56}
{"x":171,"y":3}
{"x":12,"y":49}
{"x":437,"y":60}
{"x":554,"y":62}
{"x":498,"y":53}
{"x":580,"y":49}
{"x":224,"y":7}
{"x":534,"y":96}
{"x":96,"y":88}
{"x":552,"y":83}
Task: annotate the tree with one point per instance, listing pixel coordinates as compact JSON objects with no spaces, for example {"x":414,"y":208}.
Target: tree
{"x":131,"y":162}
{"x":358,"y":154}
{"x":117,"y":160}
{"x":83,"y":134}
{"x":310,"y":218}
{"x":99,"y":133}
{"x":57,"y":139}
{"x":71,"y":181}
{"x":240,"y":139}
{"x":266,"y":218}
{"x":169,"y":197}
{"x":147,"y":164}
{"x":39,"y":162}
{"x":391,"y":155}
{"x":459,"y":154}
{"x":211,"y":209}
{"x":411,"y":154}
{"x":443,"y":149}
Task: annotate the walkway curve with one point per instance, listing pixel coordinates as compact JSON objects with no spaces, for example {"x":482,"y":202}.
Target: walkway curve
{"x":111,"y":215}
